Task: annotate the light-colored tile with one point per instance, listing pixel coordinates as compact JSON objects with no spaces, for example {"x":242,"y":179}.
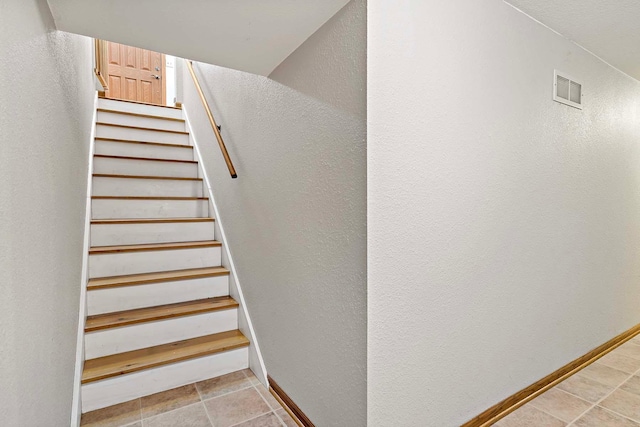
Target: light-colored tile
{"x":635,"y":339}
{"x":236,"y":407}
{"x":268,"y":397}
{"x":560,"y":404}
{"x":620,"y":362}
{"x":249,"y":373}
{"x":169,"y":400}
{"x":189,"y":416}
{"x":113,"y":416}
{"x":223,"y":385}
{"x":624,"y":403}
{"x":585,"y":388}
{"x":266,"y":420}
{"x":632,"y":385}
{"x":284,"y":416}
{"x":604,"y":374}
{"x":628,"y":349}
{"x":528,"y":416}
{"x":599,"y":417}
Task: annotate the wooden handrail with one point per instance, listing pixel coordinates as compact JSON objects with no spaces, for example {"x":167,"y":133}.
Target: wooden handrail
{"x":223,"y":148}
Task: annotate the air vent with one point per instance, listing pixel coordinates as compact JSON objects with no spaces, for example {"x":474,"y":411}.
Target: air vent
{"x":566,"y":90}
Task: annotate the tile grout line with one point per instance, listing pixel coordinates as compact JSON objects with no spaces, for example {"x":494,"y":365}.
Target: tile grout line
{"x":202,"y":400}
{"x":173,"y":410}
{"x":555,"y":416}
{"x":578,"y":397}
{"x":251,"y":419}
{"x":206,"y":411}
{"x":598,"y":360}
{"x":270,"y":406}
{"x":592,"y":405}
{"x":225,"y":394}
{"x":604,"y":397}
{"x":619,"y":414}
{"x":265,"y":400}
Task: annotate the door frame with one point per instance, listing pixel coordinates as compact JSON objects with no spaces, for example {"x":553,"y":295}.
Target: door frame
{"x":102,"y":64}
{"x":101,"y":70}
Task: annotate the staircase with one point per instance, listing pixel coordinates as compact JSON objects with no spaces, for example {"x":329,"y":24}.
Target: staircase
{"x":159,"y":314}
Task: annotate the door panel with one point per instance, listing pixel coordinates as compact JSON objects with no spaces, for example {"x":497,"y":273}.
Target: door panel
{"x":147,"y":91}
{"x":115,"y":86}
{"x":113,"y":51}
{"x":131,"y":89}
{"x":130,"y":53}
{"x":145,"y":60}
{"x":135,"y":74}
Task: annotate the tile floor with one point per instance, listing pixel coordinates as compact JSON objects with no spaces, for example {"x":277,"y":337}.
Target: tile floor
{"x":604,"y":394}
{"x":237,"y":399}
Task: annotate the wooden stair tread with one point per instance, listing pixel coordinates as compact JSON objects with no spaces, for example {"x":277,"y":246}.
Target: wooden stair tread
{"x":141,"y":103}
{"x":177,"y":178}
{"x":108,"y":156}
{"x":148,"y":220}
{"x":96,"y":250}
{"x":150,"y":116}
{"x":181,"y":132}
{"x":159,"y":277}
{"x":148,"y":314}
{"x":146,"y":358}
{"x":132,"y":141}
{"x":147,"y":198}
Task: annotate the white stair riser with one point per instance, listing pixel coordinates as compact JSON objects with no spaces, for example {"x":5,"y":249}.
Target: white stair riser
{"x":103,"y":186}
{"x":123,"y":208}
{"x":116,"y":132}
{"x":129,"y":107}
{"x":114,"y":148}
{"x":120,"y":264}
{"x":133,"y":337}
{"x":111,"y":391}
{"x":122,"y":298}
{"x":106,"y":165}
{"x":143,"y":122}
{"x":165,"y":232}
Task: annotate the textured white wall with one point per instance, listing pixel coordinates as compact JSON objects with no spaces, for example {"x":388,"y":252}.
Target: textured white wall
{"x":46,"y":93}
{"x":248,"y":35}
{"x":295,"y":217}
{"x":503,"y":228}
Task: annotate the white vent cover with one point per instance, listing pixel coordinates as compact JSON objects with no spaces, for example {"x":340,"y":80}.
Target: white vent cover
{"x":566,"y":90}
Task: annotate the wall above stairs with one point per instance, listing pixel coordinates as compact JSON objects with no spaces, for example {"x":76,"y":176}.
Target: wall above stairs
{"x":47,"y":97}
{"x":295,"y":218}
{"x":247,"y":35}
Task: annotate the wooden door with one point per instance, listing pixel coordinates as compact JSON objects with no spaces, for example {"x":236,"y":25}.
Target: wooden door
{"x":135,"y":74}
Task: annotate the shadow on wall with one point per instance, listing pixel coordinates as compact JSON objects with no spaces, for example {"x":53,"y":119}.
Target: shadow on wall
{"x":295,"y":218}
{"x":329,"y":52}
{"x":296,"y":223}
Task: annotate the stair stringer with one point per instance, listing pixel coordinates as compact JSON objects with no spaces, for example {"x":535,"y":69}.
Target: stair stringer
{"x":76,"y":408}
{"x":256,"y":362}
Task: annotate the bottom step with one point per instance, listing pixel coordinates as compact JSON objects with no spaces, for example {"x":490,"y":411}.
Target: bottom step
{"x":150,"y":357}
{"x":122,"y":377}
{"x":101,"y":394}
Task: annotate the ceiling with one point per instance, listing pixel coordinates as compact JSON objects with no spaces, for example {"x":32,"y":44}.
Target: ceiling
{"x":248,"y":35}
{"x":608,"y":28}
